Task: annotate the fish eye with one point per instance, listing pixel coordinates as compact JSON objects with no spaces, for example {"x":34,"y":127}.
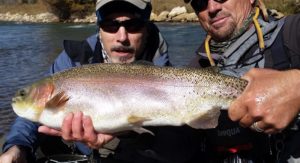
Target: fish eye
{"x":22,"y":92}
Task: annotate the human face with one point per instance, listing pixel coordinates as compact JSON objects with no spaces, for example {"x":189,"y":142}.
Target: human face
{"x":123,"y":44}
{"x":222,"y":18}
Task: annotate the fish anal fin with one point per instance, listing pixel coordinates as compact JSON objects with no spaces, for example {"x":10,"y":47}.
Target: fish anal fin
{"x":205,"y":121}
{"x":57,"y":101}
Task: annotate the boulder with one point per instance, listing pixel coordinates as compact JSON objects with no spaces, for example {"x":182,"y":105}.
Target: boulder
{"x":163,"y":16}
{"x":177,"y":11}
{"x":191,"y":17}
{"x":180,"y":18}
{"x":46,"y":17}
{"x":153,"y":17}
{"x":186,"y":17}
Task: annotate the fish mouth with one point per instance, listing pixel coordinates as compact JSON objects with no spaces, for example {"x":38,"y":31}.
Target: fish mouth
{"x":16,"y":100}
{"x":18,"y":110}
{"x":26,"y":111}
{"x":13,"y":100}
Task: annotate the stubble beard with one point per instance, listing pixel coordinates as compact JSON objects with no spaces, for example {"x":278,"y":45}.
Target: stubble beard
{"x":224,"y":33}
{"x":123,"y":59}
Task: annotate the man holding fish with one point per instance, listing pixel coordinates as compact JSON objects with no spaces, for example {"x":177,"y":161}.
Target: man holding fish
{"x":241,"y":38}
{"x":125,"y":35}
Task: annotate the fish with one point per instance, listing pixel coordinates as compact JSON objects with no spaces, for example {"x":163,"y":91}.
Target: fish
{"x":127,"y":97}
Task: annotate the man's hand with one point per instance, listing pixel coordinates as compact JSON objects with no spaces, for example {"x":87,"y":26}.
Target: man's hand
{"x":13,"y":155}
{"x":271,"y":100}
{"x":77,"y":127}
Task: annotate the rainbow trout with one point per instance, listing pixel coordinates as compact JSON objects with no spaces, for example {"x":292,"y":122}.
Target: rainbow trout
{"x":128,"y":97}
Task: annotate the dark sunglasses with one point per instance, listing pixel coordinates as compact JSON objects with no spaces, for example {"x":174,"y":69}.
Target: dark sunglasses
{"x":132,"y":25}
{"x":200,"y":5}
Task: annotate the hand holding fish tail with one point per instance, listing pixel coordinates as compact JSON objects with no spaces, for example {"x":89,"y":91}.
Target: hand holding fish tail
{"x":77,"y":127}
{"x":270,"y":102}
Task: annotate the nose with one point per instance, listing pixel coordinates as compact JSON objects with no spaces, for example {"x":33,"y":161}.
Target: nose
{"x":122,"y":34}
{"x":213,"y":6}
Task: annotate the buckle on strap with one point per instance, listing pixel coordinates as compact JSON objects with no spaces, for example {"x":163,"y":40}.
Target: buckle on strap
{"x":109,"y":148}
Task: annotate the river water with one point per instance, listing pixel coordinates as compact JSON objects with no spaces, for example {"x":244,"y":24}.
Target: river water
{"x":27,"y":51}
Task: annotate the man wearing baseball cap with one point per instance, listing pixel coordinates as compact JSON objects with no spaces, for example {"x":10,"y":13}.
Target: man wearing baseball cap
{"x":124,"y":35}
{"x":142,"y":8}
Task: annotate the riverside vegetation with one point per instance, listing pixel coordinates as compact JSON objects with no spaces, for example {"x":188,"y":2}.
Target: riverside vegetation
{"x":83,"y":10}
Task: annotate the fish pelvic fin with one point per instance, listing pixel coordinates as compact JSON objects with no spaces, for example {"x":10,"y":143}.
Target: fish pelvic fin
{"x":138,"y":121}
{"x":204,"y":121}
{"x":57,"y":101}
{"x":141,"y":130}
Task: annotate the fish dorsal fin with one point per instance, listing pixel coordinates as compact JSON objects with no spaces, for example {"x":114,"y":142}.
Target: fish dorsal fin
{"x":57,"y":101}
{"x":204,"y":121}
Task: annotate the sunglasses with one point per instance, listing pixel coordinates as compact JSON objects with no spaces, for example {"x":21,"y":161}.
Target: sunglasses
{"x":200,"y":5}
{"x":132,"y":25}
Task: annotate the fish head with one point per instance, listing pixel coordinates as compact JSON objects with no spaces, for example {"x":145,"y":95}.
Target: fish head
{"x":29,"y":102}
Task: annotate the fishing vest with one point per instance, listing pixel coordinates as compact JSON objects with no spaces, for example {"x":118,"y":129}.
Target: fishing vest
{"x":240,"y":57}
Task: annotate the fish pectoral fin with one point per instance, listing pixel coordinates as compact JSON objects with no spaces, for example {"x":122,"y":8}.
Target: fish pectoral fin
{"x":204,"y":120}
{"x":57,"y":101}
{"x":141,"y":130}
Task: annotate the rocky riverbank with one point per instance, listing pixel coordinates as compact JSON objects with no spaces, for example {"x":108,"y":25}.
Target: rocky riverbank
{"x":177,"y":14}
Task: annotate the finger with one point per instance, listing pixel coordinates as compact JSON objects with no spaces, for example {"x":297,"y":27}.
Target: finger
{"x":272,"y":131}
{"x":49,"y":131}
{"x":260,"y":126}
{"x":77,"y":127}
{"x":67,"y":127}
{"x":246,"y":121}
{"x":6,"y":158}
{"x":89,"y":131}
{"x":93,"y":145}
{"x":102,"y":139}
{"x":237,"y":110}
{"x":256,"y":72}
